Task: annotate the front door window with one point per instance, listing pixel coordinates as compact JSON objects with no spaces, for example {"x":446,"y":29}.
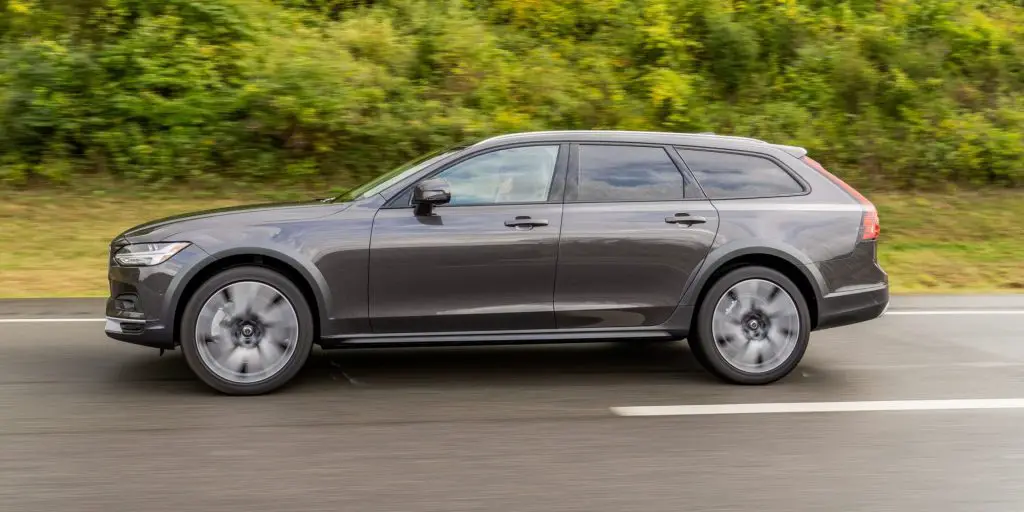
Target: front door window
{"x":506,"y":176}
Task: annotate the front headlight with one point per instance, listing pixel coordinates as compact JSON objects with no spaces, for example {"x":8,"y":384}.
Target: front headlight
{"x":147,"y":255}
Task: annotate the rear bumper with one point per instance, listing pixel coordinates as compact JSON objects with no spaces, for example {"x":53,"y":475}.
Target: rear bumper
{"x":852,"y":307}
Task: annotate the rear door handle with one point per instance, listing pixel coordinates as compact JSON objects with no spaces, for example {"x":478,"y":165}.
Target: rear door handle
{"x":523,"y":221}
{"x":685,"y":218}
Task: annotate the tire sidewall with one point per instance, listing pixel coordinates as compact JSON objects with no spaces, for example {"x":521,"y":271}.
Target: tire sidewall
{"x":304,"y":343}
{"x":708,"y":352}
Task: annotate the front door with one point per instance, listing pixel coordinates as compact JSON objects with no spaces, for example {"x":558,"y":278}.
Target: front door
{"x":484,"y":262}
{"x":633,"y":230}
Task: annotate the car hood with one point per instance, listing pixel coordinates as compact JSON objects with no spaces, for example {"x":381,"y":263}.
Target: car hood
{"x":159,"y":229}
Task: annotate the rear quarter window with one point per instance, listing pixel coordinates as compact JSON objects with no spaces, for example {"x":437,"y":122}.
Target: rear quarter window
{"x":730,"y":175}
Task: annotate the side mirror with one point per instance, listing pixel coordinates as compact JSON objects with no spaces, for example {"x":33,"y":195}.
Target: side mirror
{"x":430,"y":193}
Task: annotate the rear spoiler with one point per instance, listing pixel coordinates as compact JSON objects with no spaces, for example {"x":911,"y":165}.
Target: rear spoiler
{"x":795,"y":151}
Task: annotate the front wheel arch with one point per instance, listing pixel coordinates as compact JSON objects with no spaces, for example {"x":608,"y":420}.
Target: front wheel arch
{"x":192,"y":347}
{"x":249,"y":259}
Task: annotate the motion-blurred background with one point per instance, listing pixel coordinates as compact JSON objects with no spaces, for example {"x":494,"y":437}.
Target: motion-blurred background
{"x":113,"y":112}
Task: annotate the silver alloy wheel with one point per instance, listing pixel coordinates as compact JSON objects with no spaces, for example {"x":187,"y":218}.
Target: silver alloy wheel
{"x":755,"y":326}
{"x":247,"y":332}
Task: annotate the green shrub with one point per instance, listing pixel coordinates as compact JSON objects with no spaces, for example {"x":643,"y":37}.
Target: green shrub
{"x":891,"y":94}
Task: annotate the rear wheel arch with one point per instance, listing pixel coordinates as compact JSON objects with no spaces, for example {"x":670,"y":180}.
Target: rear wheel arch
{"x":279,"y":263}
{"x":770,"y":258}
{"x":758,"y":344}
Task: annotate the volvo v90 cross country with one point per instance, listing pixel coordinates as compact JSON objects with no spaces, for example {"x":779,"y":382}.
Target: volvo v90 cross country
{"x":740,"y":246}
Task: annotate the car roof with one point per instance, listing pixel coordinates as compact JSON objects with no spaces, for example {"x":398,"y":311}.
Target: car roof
{"x":710,"y":140}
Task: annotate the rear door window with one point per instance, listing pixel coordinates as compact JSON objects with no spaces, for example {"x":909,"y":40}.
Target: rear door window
{"x":609,"y":173}
{"x":731,"y":176}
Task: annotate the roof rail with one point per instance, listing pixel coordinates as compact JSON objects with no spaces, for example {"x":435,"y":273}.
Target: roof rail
{"x":736,"y":137}
{"x":706,"y":134}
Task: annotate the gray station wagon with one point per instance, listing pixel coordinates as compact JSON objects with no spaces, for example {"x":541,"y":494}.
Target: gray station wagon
{"x":740,"y":246}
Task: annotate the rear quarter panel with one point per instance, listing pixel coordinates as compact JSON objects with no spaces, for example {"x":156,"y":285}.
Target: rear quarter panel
{"x":807,"y":230}
{"x":813,"y":231}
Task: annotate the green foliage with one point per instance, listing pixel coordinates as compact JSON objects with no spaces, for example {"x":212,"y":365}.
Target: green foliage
{"x":887,"y":93}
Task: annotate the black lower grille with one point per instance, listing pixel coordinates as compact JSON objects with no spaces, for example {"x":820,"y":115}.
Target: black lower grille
{"x":132,"y":327}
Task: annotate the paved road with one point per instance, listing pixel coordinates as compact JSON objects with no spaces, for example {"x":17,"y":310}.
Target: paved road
{"x":88,"y":424}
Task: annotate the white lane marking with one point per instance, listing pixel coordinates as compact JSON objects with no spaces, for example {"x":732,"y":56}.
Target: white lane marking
{"x":923,"y":312}
{"x":795,"y":407}
{"x":47,"y":320}
{"x":958,"y":312}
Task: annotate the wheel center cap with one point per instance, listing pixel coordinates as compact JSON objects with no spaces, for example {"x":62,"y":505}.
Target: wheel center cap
{"x":248,"y":331}
{"x":753,"y":325}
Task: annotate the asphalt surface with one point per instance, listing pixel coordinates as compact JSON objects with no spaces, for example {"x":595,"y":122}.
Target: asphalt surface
{"x":90,"y":424}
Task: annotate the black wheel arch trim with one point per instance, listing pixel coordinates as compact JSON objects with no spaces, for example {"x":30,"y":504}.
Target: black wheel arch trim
{"x":727,"y":254}
{"x":314,"y":280}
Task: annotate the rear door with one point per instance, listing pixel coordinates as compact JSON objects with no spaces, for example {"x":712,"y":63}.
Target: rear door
{"x":634,"y":227}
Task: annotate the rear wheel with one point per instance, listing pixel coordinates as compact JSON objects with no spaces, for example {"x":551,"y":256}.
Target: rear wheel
{"x":752,"y":327}
{"x":247,"y":331}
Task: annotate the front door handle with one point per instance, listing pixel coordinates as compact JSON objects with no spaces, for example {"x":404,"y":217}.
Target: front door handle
{"x":524,"y":221}
{"x":685,"y":218}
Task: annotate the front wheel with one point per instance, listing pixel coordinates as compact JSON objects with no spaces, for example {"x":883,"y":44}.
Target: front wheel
{"x":752,"y":327}
{"x":247,"y":331}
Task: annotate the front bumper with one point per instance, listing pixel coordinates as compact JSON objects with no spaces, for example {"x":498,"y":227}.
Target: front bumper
{"x":143,"y":300}
{"x":853,"y":307}
{"x":139,"y":333}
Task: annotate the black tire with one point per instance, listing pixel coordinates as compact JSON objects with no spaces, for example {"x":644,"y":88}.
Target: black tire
{"x":705,"y":348}
{"x":304,"y":341}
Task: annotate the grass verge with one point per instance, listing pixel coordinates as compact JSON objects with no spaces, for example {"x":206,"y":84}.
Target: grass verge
{"x":53,"y":243}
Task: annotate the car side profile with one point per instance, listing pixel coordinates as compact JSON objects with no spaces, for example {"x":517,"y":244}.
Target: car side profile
{"x":739,"y":246}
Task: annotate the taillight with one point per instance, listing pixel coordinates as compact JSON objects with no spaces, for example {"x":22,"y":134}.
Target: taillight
{"x":870,"y":225}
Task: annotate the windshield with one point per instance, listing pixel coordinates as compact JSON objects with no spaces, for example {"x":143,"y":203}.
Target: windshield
{"x":383,"y":181}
